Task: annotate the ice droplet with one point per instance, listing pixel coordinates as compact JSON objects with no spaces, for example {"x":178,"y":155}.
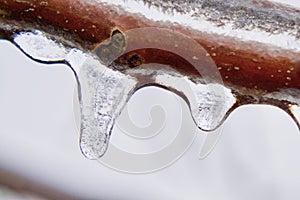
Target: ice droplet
{"x":104,"y":93}
{"x":209,"y":103}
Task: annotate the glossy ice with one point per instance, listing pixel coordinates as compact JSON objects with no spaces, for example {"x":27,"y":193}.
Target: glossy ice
{"x":105,"y":86}
{"x":104,"y":89}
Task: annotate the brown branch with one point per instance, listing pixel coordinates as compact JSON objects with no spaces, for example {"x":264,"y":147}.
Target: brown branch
{"x":25,"y":186}
{"x":241,"y":63}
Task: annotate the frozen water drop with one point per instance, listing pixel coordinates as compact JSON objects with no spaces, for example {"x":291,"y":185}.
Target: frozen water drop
{"x":104,"y":93}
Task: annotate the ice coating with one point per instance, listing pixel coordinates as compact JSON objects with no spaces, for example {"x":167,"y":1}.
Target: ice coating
{"x":37,"y":45}
{"x":244,"y":14}
{"x":104,"y":89}
{"x":108,"y":75}
{"x":244,"y":20}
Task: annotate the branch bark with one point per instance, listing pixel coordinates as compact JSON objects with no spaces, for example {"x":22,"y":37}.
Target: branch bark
{"x":255,"y":44}
{"x":242,"y":63}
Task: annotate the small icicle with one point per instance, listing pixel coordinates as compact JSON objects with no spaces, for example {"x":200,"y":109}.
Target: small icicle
{"x":104,"y":93}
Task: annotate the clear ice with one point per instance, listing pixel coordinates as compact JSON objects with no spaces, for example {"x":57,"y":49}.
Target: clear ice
{"x":105,"y":88}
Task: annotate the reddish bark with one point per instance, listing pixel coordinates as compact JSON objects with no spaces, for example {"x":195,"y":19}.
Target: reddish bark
{"x":241,"y":63}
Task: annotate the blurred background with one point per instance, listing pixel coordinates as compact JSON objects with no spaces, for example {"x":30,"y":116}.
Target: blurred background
{"x":255,"y":158}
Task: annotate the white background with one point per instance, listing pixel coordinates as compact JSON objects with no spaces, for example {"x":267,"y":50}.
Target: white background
{"x":257,"y":156}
